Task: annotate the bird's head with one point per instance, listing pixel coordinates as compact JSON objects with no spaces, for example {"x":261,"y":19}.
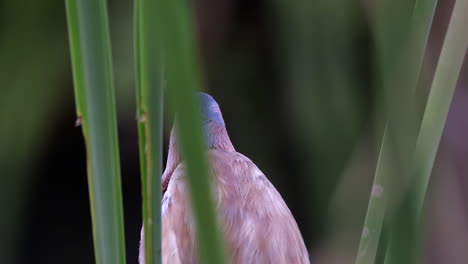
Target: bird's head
{"x":210,"y":111}
{"x":214,"y":133}
{"x":214,"y":128}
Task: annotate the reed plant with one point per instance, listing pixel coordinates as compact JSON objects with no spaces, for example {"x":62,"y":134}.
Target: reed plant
{"x":149,"y":84}
{"x":412,"y":54}
{"x":174,"y":23}
{"x":404,"y":223}
{"x":443,"y":86}
{"x":95,"y":105}
{"x":163,"y":29}
{"x":166,"y":53}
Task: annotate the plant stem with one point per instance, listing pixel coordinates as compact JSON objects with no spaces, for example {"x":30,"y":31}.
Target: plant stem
{"x":175,"y":26}
{"x":150,"y":123}
{"x":95,"y":104}
{"x":421,"y":21}
{"x":443,"y":86}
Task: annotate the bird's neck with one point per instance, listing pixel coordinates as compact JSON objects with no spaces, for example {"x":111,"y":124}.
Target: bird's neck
{"x":173,"y":159}
{"x":216,"y":137}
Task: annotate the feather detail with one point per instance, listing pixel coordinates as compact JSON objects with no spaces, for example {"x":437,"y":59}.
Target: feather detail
{"x":173,"y":159}
{"x":258,"y":226}
{"x":218,"y":139}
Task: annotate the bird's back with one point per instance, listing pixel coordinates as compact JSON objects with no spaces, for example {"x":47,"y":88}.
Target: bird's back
{"x":258,"y":226}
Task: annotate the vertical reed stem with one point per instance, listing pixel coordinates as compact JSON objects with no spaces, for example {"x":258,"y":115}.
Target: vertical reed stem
{"x":150,"y":81}
{"x":95,"y":104}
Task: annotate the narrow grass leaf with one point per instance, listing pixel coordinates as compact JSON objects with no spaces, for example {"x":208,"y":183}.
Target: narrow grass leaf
{"x":175,"y":27}
{"x":95,"y":103}
{"x":443,"y":86}
{"x":442,"y":90}
{"x":150,"y":123}
{"x":421,"y":21}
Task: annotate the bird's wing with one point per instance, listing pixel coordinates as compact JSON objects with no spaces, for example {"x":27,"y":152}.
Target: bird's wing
{"x":170,"y":252}
{"x":178,"y":240}
{"x":259,"y":227}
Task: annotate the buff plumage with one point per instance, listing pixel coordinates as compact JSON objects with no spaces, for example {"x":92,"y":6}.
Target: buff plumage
{"x":257,"y":225}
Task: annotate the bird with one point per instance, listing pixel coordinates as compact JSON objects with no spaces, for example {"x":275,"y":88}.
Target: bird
{"x":256,"y":223}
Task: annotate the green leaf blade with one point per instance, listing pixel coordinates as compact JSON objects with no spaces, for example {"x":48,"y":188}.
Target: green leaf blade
{"x":150,"y":82}
{"x":183,"y":74}
{"x":95,"y":100}
{"x":396,"y":144}
{"x":440,"y":97}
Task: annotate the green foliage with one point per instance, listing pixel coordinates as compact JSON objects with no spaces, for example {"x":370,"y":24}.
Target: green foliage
{"x":323,"y":84}
{"x":413,"y":55}
{"x":150,"y":122}
{"x":28,"y":108}
{"x":175,"y":27}
{"x":95,"y":103}
{"x":443,"y":86}
{"x":164,"y":32}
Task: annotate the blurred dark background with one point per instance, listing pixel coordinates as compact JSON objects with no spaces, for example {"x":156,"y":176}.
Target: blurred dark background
{"x":313,"y":134}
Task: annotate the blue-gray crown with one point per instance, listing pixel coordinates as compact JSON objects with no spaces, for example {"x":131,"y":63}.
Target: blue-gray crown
{"x":210,"y":110}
